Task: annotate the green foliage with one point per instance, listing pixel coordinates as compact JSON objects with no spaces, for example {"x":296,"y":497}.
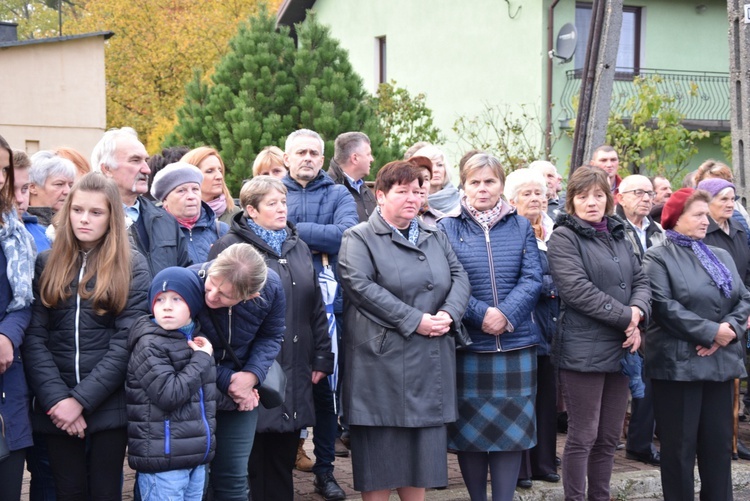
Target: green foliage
{"x":648,"y":134}
{"x":726,"y":146}
{"x":38,"y":18}
{"x":404,"y":119}
{"x":517,"y":139}
{"x":265,"y":88}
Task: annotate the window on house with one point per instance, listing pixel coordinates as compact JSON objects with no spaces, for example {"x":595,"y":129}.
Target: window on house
{"x":380,"y":67}
{"x":629,"y":51}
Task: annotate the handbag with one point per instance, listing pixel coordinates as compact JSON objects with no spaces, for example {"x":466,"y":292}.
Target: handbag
{"x":273,"y":388}
{"x":4,"y":448}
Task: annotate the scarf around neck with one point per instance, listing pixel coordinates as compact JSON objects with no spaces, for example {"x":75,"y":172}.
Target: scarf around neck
{"x":486,"y":218}
{"x":218,"y":205}
{"x":188,"y":222}
{"x":274,"y":238}
{"x":413,"y":228}
{"x":20,"y":254}
{"x":718,"y":272}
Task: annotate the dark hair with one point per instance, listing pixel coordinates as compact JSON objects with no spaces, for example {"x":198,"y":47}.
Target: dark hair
{"x":159,"y":161}
{"x":697,"y":196}
{"x":583,"y":179}
{"x":345,"y":145}
{"x":466,"y":158}
{"x":397,"y":172}
{"x":7,"y":197}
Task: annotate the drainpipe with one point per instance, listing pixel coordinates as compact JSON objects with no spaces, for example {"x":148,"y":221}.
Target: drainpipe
{"x":550,"y":47}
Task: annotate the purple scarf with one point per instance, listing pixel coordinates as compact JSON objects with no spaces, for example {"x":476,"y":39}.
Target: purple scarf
{"x":715,"y":268}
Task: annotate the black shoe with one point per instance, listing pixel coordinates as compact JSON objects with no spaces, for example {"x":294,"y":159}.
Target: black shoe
{"x":326,"y":486}
{"x":742,"y":451}
{"x":549,"y":477}
{"x":340,"y":449}
{"x":558,"y":461}
{"x":524,"y":483}
{"x":645,"y":457}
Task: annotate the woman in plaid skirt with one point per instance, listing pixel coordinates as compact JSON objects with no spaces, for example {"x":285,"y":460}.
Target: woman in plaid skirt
{"x":496,"y":374}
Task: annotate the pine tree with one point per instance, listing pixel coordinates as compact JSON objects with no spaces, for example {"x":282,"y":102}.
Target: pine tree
{"x":265,"y":88}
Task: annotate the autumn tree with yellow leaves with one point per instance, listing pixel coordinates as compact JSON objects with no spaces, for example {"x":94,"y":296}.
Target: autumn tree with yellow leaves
{"x":156,"y":47}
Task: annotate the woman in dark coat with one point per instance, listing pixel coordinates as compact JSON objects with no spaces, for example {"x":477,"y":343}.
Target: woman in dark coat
{"x":405,"y":293}
{"x":497,"y":373}
{"x":694,"y":349}
{"x":245,"y":309}
{"x":305,"y":354}
{"x":605,"y":298}
{"x":89,"y":289}
{"x":16,"y":254}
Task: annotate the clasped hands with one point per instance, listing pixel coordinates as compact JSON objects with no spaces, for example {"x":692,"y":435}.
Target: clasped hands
{"x":67,"y":414}
{"x":632,"y":332}
{"x":435,"y":325}
{"x":724,"y":336}
{"x":242,"y":390}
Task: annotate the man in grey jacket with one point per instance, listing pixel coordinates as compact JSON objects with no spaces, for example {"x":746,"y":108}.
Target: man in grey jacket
{"x":352,"y":158}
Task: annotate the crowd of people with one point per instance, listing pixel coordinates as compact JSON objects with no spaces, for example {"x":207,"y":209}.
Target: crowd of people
{"x":145,"y":314}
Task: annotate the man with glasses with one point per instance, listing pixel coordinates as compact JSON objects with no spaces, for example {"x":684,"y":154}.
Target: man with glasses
{"x":634,"y":202}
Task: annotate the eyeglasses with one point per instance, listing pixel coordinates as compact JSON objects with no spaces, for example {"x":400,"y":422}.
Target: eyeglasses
{"x":640,"y":193}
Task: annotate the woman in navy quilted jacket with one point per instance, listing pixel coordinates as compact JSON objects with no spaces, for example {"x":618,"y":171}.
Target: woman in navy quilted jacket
{"x":497,"y":372}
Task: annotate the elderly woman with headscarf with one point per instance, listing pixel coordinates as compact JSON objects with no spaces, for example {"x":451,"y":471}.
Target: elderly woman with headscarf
{"x":405,"y":293}
{"x":178,"y":187}
{"x":525,"y":189}
{"x":694,"y":349}
{"x":496,"y":374}
{"x":443,"y":196}
{"x":605,"y":300}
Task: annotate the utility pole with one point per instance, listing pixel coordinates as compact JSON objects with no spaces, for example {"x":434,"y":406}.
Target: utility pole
{"x":739,"y":91}
{"x":597,"y":79}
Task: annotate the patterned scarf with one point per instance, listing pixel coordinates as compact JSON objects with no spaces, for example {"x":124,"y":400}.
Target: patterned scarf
{"x":486,"y":218}
{"x":188,"y":222}
{"x":274,"y":238}
{"x":20,"y":253}
{"x":413,"y":228}
{"x":715,"y":268}
{"x":218,"y":205}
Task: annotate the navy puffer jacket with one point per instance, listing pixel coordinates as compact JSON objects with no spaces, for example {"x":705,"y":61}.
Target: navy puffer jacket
{"x":70,"y":351}
{"x":171,"y":400}
{"x":321,"y":211}
{"x":254,"y":330}
{"x":504,"y":272}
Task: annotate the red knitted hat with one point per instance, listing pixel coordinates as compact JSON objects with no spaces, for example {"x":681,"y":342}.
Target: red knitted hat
{"x":674,"y":207}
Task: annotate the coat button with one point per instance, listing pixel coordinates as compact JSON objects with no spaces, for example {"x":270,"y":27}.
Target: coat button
{"x":616,"y":259}
{"x":607,"y":306}
{"x":422,"y":258}
{"x":554,"y":319}
{"x":430,"y":287}
{"x":712,"y":283}
{"x":622,"y":285}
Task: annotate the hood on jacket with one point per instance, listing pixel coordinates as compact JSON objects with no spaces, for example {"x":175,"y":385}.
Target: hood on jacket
{"x":320,"y":181}
{"x":240,"y":228}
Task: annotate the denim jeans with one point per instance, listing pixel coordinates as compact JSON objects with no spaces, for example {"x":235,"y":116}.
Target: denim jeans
{"x":174,"y":485}
{"x":325,"y":429}
{"x":235,"y":432}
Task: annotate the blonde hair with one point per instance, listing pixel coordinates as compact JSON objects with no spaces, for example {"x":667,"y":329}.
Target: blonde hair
{"x":197,"y":155}
{"x":109,"y":262}
{"x":253,"y":191}
{"x":243,"y":266}
{"x":268,"y":157}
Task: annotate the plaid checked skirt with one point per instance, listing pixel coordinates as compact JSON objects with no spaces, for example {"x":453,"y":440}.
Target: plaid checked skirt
{"x":496,"y":395}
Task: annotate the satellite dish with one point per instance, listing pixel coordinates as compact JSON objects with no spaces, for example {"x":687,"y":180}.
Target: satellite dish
{"x":567,"y":39}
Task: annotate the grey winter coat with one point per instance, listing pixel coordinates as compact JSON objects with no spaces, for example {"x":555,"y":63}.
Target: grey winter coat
{"x":393,"y":376}
{"x":599,"y":279}
{"x":688,"y":309}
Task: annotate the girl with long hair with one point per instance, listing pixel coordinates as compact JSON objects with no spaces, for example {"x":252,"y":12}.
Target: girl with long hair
{"x":89,"y":288}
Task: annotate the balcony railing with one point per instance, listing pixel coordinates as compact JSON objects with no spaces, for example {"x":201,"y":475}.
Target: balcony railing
{"x":706,"y":107}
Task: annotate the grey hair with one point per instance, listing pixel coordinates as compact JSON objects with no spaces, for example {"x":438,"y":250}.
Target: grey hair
{"x":243,"y":267}
{"x":520,"y":178}
{"x":253,"y":191}
{"x":345,"y":145}
{"x":104,"y":151}
{"x":540,"y":165}
{"x":304,"y":133}
{"x":45,"y":164}
{"x":433,"y":152}
{"x":628,"y":181}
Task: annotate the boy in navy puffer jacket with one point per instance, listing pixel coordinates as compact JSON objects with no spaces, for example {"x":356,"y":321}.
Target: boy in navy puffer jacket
{"x":171,"y":392}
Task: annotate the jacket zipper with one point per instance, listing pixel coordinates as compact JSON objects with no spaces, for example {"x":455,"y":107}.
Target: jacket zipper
{"x":167,"y":438}
{"x":203,"y":417}
{"x":78,"y":318}
{"x":229,"y":334}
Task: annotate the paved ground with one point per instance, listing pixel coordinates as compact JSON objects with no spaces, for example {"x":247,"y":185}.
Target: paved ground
{"x":631,"y":480}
